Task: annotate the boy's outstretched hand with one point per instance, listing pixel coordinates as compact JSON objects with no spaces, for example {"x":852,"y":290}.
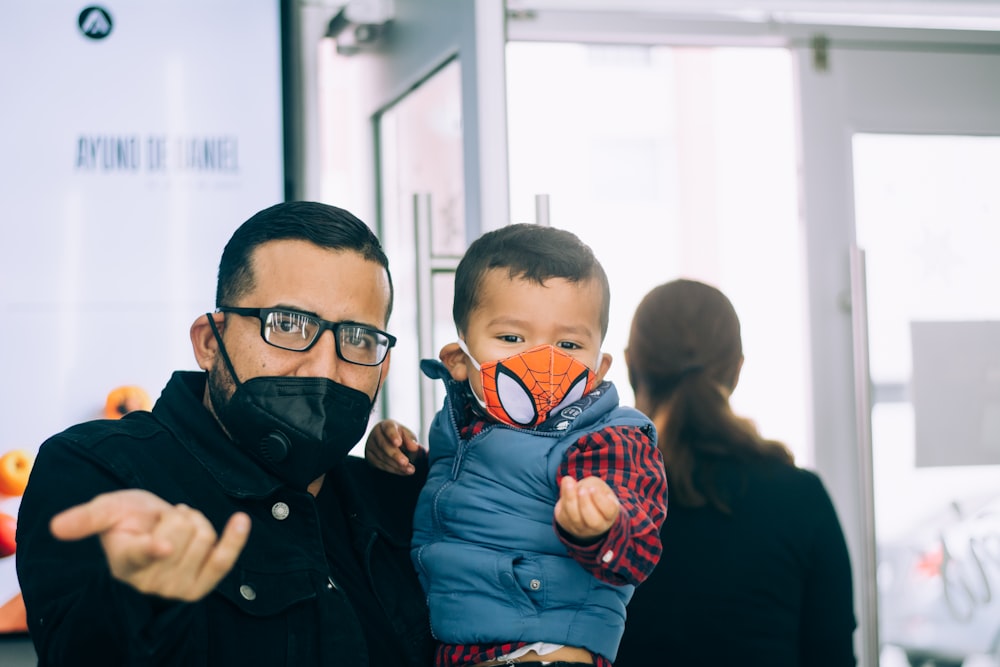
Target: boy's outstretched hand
{"x":586,"y":508}
{"x":393,"y":448}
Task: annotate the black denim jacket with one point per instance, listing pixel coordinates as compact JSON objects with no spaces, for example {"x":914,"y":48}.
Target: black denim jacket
{"x":280,"y":605}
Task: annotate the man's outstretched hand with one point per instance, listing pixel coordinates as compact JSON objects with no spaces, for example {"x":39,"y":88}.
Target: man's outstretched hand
{"x":161,"y":549}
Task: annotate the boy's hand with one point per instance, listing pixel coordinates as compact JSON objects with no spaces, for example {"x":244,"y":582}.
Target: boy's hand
{"x":392,"y":447}
{"x":586,"y":508}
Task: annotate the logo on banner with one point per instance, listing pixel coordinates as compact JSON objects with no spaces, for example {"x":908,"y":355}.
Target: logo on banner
{"x":94,"y":22}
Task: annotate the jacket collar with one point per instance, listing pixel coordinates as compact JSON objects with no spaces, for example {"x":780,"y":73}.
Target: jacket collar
{"x":182,"y":411}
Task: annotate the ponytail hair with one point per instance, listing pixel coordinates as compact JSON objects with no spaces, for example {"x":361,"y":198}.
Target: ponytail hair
{"x":684,"y":353}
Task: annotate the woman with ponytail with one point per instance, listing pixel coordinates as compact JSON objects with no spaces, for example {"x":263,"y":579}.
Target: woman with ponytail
{"x":755,"y":569}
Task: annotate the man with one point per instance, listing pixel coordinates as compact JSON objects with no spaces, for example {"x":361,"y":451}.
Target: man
{"x":120,"y":556}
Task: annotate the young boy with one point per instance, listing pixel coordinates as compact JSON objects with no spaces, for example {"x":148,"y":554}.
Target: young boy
{"x":544,"y":501}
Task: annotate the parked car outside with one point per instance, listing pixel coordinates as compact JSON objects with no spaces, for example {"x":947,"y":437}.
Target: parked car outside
{"x":939,"y":587}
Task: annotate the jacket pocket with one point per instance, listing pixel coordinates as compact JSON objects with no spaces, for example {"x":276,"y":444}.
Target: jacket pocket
{"x":524,"y":581}
{"x":265,"y":594}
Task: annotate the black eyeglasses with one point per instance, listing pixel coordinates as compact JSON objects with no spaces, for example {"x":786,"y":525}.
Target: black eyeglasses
{"x":293,"y":330}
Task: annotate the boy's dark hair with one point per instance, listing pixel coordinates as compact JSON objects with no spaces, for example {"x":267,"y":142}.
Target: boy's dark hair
{"x":531,"y":252}
{"x":326,"y":226}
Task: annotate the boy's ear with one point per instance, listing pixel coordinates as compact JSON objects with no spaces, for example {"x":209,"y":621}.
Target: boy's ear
{"x":603,"y":364}
{"x":454,"y":359}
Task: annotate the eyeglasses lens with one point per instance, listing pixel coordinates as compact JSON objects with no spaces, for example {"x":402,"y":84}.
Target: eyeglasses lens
{"x":297,"y":331}
{"x":361,"y":345}
{"x":293,"y":331}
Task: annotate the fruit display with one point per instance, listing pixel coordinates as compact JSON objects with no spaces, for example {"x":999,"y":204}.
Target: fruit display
{"x":124,"y":399}
{"x":15,"y":466}
{"x":8,"y":529}
{"x":13,"y":617}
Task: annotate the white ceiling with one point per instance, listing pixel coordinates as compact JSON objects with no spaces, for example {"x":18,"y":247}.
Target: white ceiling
{"x":981,"y":15}
{"x":989,"y":8}
{"x":956,"y":14}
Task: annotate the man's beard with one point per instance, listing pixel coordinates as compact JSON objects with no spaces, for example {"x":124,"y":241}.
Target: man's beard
{"x":220,"y":390}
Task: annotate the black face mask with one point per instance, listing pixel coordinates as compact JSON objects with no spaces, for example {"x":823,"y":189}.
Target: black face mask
{"x":297,"y":428}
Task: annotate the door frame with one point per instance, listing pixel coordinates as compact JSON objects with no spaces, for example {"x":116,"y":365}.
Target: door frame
{"x":427,"y":34}
{"x":421,"y":37}
{"x":900,"y":82}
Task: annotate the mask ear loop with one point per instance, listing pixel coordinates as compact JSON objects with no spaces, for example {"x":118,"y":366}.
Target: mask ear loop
{"x":475,"y":396}
{"x":222,"y":348}
{"x":464,"y":348}
{"x":275,"y":446}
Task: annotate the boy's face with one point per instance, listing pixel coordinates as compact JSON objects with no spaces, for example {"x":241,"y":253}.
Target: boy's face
{"x":515,"y":315}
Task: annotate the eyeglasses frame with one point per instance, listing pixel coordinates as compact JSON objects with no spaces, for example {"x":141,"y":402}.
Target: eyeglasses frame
{"x":324,"y":325}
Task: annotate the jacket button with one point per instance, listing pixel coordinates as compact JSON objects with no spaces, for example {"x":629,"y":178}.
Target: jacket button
{"x":248,"y":593}
{"x":535,"y":584}
{"x":280,"y":511}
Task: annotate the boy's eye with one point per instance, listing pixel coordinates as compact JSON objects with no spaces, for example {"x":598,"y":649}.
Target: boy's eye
{"x":511,"y":338}
{"x":568,"y":345}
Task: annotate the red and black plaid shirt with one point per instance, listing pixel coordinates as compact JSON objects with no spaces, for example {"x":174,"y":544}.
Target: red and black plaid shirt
{"x":626,"y":458}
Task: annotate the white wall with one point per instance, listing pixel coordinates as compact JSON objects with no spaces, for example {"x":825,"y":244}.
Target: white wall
{"x":127,"y":164}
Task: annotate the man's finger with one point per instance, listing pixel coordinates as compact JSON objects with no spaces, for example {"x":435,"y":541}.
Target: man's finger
{"x":189,"y":533}
{"x":135,"y":555}
{"x":104,"y":512}
{"x":222,"y":558}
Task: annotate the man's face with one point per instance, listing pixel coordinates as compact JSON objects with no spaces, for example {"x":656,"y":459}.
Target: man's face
{"x":336,"y":285}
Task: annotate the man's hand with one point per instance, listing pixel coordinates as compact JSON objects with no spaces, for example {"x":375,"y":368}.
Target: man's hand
{"x":586,"y":508}
{"x":161,"y":549}
{"x":393,"y":448}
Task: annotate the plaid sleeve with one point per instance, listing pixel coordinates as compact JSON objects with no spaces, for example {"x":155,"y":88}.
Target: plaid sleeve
{"x":627,"y":459}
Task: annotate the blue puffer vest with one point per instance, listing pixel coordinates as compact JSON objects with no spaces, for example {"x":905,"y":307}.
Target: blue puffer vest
{"x":484,"y":541}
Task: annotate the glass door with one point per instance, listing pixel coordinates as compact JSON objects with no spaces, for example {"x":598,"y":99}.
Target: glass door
{"x":705,"y":178}
{"x":903,"y":270}
{"x":423,"y":230}
{"x":675,"y":162}
{"x":414,"y":141}
{"x":927,"y":211}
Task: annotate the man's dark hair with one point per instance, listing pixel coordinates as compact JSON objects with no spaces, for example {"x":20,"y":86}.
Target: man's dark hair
{"x":325,"y":225}
{"x":531,"y":252}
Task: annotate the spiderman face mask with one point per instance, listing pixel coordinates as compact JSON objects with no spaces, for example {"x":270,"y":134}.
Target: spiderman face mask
{"x":524,"y":389}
